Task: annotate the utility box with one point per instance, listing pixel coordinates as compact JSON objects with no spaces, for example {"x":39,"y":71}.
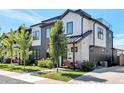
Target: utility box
{"x":121,"y":59}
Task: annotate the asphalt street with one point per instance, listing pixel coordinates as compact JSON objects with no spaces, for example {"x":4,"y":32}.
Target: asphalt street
{"x":8,"y":80}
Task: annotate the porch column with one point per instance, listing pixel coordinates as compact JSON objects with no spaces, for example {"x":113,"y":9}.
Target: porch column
{"x":74,"y":55}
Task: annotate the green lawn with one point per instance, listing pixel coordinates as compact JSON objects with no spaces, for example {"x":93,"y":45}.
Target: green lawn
{"x":61,"y":75}
{"x":19,"y":69}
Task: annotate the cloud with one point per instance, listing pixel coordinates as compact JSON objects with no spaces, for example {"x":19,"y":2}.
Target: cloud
{"x":35,"y":14}
{"x":119,"y":41}
{"x":31,"y":17}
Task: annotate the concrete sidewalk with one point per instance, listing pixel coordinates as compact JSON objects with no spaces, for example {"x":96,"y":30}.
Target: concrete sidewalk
{"x":29,"y":78}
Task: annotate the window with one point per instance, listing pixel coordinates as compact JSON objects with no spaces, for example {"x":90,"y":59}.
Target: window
{"x":103,"y":51}
{"x":69,"y":27}
{"x":74,"y":49}
{"x":36,"y":35}
{"x":48,"y":32}
{"x":36,"y":54}
{"x":100,"y":33}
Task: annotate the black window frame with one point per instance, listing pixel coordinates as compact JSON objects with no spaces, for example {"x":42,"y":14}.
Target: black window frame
{"x":67,"y":27}
{"x":100,"y":33}
{"x":36,"y":33}
{"x":36,"y":54}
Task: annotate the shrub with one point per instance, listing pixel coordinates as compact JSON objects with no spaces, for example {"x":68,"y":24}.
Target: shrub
{"x":45,"y":63}
{"x":27,"y":62}
{"x":7,"y":60}
{"x":87,"y":66}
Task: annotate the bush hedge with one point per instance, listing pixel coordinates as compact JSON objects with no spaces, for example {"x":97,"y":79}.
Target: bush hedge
{"x":45,"y":63}
{"x":87,"y":66}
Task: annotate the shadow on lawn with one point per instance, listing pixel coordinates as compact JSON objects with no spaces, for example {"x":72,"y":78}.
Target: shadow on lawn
{"x":70,"y":75}
{"x":87,"y":78}
{"x":3,"y":66}
{"x":22,"y":69}
{"x":17,"y":69}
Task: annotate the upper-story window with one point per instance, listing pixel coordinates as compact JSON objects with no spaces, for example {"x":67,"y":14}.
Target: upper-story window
{"x":69,"y":27}
{"x":36,"y":35}
{"x":100,"y":33}
{"x":48,"y":32}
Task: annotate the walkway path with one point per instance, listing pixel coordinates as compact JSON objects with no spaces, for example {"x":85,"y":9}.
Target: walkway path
{"x":26,"y":78}
{"x":112,"y":75}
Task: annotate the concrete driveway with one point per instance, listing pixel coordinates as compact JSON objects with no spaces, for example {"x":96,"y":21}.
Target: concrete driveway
{"x":110,"y":75}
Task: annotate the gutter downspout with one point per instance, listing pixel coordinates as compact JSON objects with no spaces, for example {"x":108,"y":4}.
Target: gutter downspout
{"x":82,"y":25}
{"x":94,"y":41}
{"x":112,"y":48}
{"x":94,"y":33}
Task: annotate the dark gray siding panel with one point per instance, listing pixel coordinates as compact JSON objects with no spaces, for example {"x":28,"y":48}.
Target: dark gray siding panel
{"x":109,"y":44}
{"x":103,"y":54}
{"x":42,"y":47}
{"x":44,"y":43}
{"x":97,"y":54}
{"x":43,"y":37}
{"x":109,"y":39}
{"x":115,"y":57}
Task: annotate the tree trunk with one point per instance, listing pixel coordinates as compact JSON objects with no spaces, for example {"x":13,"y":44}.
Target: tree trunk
{"x":57,"y":61}
{"x":11,"y":61}
{"x":11,"y":55}
{"x":24,"y":64}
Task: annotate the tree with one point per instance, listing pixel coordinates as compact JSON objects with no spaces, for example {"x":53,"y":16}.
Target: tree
{"x":58,"y":42}
{"x":8,"y":45}
{"x":2,"y":47}
{"x":24,"y":41}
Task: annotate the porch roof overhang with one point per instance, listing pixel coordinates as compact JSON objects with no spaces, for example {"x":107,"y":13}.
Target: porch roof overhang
{"x":77,"y":38}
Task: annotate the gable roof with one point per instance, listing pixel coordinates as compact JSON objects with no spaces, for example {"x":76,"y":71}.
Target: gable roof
{"x":53,"y":18}
{"x":36,"y":24}
{"x":76,"y":39}
{"x":79,"y":12}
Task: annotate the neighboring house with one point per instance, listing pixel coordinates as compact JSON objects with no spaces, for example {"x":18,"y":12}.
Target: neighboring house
{"x":16,"y":58}
{"x":91,"y":39}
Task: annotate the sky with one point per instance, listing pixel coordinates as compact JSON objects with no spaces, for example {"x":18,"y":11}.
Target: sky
{"x":14,"y":18}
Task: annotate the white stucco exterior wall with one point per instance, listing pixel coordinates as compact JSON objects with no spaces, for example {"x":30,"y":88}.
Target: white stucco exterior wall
{"x":85,"y":43}
{"x":69,"y":53}
{"x":100,"y":42}
{"x":36,"y":42}
{"x":87,"y":25}
{"x":83,"y":50}
{"x":76,"y":19}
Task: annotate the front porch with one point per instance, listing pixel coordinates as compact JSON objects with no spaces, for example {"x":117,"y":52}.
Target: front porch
{"x":78,"y":50}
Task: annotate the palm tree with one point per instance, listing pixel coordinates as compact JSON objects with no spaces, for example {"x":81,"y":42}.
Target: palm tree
{"x":24,"y":41}
{"x":8,"y":45}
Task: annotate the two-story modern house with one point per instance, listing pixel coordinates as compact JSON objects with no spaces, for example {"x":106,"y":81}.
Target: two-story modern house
{"x":88,"y":38}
